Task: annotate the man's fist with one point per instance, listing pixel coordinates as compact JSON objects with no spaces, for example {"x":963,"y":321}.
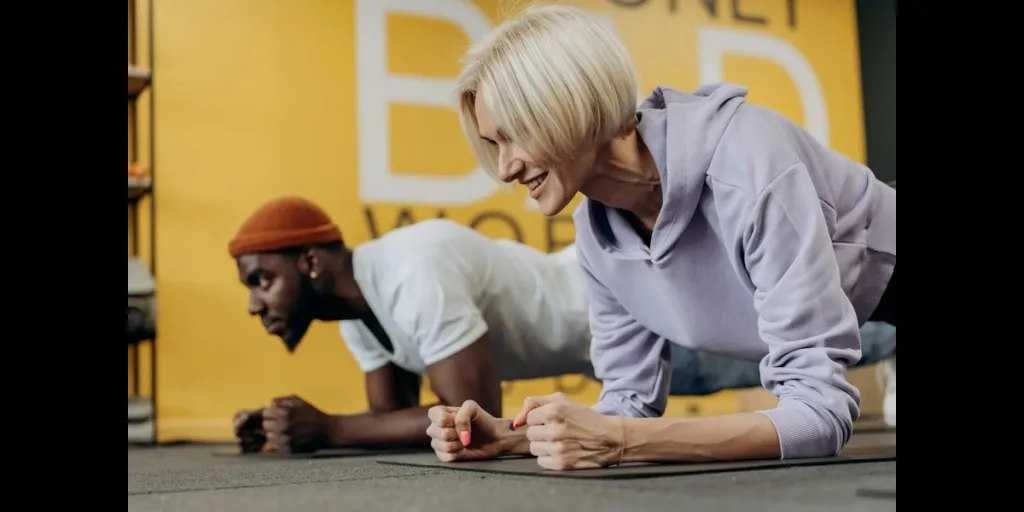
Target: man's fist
{"x":248,"y":426}
{"x":294,"y":426}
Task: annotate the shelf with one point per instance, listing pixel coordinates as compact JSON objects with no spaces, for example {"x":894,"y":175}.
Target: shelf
{"x":140,"y":410}
{"x":142,"y":307}
{"x":142,"y":433}
{"x":138,"y":80}
{"x":140,"y":322}
{"x":140,"y":279}
{"x":138,"y":188}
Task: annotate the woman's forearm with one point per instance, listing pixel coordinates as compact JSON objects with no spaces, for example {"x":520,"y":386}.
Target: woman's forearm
{"x":744,"y":436}
{"x":514,"y":441}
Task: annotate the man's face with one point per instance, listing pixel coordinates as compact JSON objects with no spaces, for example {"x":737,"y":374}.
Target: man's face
{"x":279,"y":294}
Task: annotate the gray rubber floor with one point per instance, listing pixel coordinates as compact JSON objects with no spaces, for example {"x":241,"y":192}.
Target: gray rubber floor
{"x":191,"y":478}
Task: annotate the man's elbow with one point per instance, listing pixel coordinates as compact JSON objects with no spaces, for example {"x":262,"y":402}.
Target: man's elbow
{"x":383,"y":408}
{"x":491,"y":405}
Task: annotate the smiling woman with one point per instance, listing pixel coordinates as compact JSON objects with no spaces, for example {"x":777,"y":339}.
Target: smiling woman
{"x":695,"y":204}
{"x":539,"y":125}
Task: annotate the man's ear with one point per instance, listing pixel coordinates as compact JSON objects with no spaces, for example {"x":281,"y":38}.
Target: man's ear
{"x":314,"y":261}
{"x":308,"y":261}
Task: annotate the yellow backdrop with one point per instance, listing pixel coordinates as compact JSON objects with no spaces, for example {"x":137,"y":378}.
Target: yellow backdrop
{"x":347,"y":102}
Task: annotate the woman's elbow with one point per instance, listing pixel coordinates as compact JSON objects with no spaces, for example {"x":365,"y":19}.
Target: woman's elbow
{"x":811,"y":430}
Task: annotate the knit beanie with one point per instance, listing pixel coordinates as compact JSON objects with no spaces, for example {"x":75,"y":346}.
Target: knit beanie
{"x":284,"y":223}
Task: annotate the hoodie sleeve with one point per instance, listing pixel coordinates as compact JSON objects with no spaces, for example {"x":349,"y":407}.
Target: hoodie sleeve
{"x":805,"y":317}
{"x":633,"y":364}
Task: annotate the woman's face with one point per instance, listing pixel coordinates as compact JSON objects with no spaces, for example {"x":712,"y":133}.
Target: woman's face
{"x":552,"y":185}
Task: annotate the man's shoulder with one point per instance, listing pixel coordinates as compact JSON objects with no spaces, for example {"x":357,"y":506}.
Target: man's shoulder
{"x":422,"y":243}
{"x":429,"y":236}
{"x":414,"y":256}
{"x":350,"y":331}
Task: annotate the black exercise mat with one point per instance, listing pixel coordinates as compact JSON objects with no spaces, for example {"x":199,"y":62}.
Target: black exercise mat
{"x":528,"y":465}
{"x":885,"y":494}
{"x":872,"y":424}
{"x":323,"y":454}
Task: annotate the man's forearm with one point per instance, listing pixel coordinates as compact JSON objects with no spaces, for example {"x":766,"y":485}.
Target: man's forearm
{"x":745,"y":436}
{"x":404,"y":427}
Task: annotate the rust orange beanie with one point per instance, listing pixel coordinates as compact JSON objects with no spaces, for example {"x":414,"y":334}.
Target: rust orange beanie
{"x":284,"y":223}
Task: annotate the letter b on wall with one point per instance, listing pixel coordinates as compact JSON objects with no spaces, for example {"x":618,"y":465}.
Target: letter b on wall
{"x":377,"y":88}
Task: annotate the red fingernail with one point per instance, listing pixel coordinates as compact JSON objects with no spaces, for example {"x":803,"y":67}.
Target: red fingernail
{"x":464,"y":437}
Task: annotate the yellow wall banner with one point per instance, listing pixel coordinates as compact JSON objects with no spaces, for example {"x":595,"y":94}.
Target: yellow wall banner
{"x":349,"y":103}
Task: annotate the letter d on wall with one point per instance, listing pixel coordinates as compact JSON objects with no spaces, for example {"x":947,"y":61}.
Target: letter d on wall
{"x":714,"y":43}
{"x":376,"y":89}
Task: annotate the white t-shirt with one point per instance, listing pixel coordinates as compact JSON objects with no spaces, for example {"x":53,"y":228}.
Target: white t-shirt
{"x":437,"y":286}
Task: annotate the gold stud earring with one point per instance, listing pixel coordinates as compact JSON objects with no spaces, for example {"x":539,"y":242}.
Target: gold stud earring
{"x":312,"y":274}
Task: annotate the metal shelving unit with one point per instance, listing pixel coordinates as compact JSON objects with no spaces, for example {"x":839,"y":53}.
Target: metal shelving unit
{"x":141,"y":320}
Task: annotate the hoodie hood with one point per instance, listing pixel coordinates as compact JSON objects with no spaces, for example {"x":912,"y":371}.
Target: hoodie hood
{"x":682,"y":131}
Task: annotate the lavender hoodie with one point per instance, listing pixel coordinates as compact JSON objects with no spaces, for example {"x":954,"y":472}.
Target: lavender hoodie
{"x":769,"y":246}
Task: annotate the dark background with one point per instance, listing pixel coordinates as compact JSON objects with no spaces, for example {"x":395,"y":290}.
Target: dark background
{"x":876,"y":21}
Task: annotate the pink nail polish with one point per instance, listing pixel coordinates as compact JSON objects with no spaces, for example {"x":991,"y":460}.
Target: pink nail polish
{"x":464,"y":437}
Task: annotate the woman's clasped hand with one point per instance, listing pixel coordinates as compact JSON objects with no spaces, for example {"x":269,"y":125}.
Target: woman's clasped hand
{"x":562,"y":434}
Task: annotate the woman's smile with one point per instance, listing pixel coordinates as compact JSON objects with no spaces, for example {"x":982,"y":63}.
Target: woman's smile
{"x":535,"y":184}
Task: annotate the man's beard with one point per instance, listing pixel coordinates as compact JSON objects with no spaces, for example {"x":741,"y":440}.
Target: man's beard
{"x":302,"y":315}
{"x":294,"y":338}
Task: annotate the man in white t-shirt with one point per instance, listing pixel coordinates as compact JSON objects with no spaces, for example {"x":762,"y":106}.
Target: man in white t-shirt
{"x":435,"y":298}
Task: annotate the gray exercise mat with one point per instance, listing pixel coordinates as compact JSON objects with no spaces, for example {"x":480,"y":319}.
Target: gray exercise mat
{"x":323,"y":454}
{"x":528,"y":465}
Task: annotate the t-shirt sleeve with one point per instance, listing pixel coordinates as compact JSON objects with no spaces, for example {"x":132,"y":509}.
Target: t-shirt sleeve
{"x":367,"y":356}
{"x":435,"y":306}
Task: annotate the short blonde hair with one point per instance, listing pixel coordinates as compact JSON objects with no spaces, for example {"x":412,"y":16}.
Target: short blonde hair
{"x":557,"y":81}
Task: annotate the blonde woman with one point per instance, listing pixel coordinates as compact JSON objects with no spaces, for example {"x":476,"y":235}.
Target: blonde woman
{"x":707,"y":222}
